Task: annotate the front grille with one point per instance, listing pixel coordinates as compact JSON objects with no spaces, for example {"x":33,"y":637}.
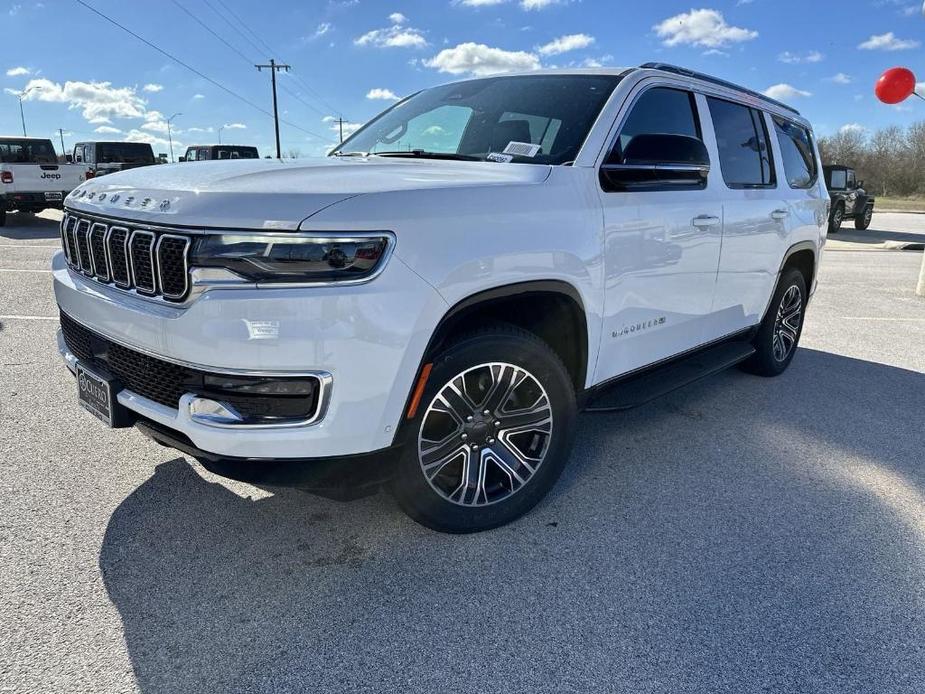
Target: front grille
{"x":152,"y":263}
{"x":165,"y":382}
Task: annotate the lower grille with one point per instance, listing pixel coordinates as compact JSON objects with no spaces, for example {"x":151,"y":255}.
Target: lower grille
{"x":165,"y":382}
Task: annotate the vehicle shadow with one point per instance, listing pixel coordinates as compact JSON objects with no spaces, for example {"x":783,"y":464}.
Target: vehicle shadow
{"x":875,"y":236}
{"x":743,"y":534}
{"x":22,"y":227}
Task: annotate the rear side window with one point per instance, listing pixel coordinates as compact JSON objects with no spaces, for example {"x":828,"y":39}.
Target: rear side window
{"x":742,"y":141}
{"x":838,"y":179}
{"x":659,"y":111}
{"x":796,"y":147}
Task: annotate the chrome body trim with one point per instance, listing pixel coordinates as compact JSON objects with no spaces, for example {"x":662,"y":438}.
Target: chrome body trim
{"x":156,"y":258}
{"x":128,"y":267}
{"x":105,"y":274}
{"x":142,"y":233}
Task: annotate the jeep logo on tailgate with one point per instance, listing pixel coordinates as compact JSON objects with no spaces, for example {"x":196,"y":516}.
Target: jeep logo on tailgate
{"x":51,"y":175}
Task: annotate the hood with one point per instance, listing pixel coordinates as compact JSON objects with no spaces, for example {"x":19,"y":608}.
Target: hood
{"x":274,"y":194}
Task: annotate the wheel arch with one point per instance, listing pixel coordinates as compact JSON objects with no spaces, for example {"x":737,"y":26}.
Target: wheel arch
{"x":553,"y":310}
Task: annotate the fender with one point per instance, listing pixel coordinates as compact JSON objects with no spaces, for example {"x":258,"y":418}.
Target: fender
{"x":795,"y":248}
{"x":461,"y":309}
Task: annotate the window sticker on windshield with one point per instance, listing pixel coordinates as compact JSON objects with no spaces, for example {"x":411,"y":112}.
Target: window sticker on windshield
{"x":522,"y":149}
{"x":500,"y":158}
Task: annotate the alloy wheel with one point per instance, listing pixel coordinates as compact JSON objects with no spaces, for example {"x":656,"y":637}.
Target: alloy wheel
{"x":485,"y":434}
{"x":787,"y":323}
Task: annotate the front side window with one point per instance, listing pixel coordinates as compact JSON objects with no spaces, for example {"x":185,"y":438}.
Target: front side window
{"x":659,"y":111}
{"x":852,"y":184}
{"x":549,"y":116}
{"x":742,"y":141}
{"x":796,"y":148}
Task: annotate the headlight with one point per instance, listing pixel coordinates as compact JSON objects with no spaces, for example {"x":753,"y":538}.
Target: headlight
{"x":294,"y":258}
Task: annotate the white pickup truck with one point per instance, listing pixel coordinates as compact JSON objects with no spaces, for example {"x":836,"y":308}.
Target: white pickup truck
{"x":31,"y":179}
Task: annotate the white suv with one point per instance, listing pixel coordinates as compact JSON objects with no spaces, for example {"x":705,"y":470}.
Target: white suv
{"x":431,"y":305}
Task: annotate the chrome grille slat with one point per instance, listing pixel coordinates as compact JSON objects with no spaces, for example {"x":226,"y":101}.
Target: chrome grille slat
{"x":81,"y":234}
{"x":117,"y":250}
{"x":139,"y":259}
{"x":98,"y":251}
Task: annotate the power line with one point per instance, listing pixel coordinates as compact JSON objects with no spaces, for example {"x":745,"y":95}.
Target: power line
{"x":244,"y":24}
{"x":211,"y":31}
{"x":195,"y":71}
{"x":229,"y":23}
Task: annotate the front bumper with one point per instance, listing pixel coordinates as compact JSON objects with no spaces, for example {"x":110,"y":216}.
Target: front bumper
{"x":369,"y":338}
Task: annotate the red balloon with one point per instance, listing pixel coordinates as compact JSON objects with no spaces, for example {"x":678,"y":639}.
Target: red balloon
{"x":895,"y":85}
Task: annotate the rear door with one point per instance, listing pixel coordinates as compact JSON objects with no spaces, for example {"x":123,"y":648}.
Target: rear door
{"x":661,"y":243}
{"x":756,"y":220}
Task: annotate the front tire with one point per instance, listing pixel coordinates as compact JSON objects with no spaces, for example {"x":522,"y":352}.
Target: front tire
{"x":836,"y":218}
{"x":780,"y":331}
{"x":491,"y":435}
{"x":863,"y":222}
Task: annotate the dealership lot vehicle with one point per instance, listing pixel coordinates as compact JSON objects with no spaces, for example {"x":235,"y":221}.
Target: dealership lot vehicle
{"x":207,"y":152}
{"x":31,"y":179}
{"x":849,"y":200}
{"x":433,"y":305}
{"x":101,"y":158}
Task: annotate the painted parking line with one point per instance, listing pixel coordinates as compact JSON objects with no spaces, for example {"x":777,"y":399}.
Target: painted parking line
{"x":15,"y":317}
{"x":5,"y":269}
{"x":913,"y":320}
{"x":23,"y":245}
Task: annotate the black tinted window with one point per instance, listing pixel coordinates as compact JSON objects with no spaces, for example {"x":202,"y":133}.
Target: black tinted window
{"x":837,"y":179}
{"x":14,"y":151}
{"x":796,"y":149}
{"x":742,"y":141}
{"x":659,"y":111}
{"x":126,"y":152}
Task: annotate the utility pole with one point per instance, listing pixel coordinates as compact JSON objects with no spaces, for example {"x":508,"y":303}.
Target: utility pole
{"x":220,"y":134}
{"x":340,"y":124}
{"x":22,"y":95}
{"x":273,"y":67}
{"x":61,"y":133}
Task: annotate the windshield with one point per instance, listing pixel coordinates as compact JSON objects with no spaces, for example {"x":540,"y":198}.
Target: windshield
{"x":27,"y":152}
{"x":539,"y":119}
{"x":126,"y":152}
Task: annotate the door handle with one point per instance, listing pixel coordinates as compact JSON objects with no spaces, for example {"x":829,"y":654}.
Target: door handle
{"x":704,"y":221}
{"x":780,"y":214}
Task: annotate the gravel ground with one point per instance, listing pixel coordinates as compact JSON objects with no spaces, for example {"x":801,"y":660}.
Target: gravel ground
{"x":740,"y":535}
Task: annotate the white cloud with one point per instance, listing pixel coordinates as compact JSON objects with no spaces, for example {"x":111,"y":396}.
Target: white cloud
{"x":107,"y":129}
{"x":201,"y":130}
{"x":706,"y":28}
{"x":153,"y":88}
{"x":479,"y":59}
{"x":920,"y":88}
{"x":840,"y":78}
{"x":852,"y":128}
{"x":398,"y":35}
{"x":564,"y":44}
{"x":153,"y":140}
{"x":98,"y":101}
{"x":785,"y":92}
{"x":321,"y":30}
{"x":383,"y":94}
{"x":18,"y":71}
{"x":538,"y":4}
{"x":155,"y":122}
{"x":794,"y":58}
{"x":235,"y":126}
{"x":199,"y":96}
{"x":887,"y":42}
{"x":480,"y":3}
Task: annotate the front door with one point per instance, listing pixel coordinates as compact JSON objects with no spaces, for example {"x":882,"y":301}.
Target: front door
{"x":661,"y":245}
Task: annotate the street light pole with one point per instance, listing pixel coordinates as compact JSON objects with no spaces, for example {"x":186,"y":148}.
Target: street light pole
{"x":22,"y":116}
{"x":220,"y":134}
{"x":169,"y":138}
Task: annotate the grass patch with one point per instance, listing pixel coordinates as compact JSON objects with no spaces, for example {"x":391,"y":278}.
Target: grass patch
{"x":900,"y":204}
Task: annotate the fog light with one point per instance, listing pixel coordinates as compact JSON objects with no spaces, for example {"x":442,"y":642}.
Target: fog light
{"x":207,"y":411}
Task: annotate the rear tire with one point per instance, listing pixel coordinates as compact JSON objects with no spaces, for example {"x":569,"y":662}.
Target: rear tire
{"x":2,"y":218}
{"x":464,"y":471}
{"x":780,"y":331}
{"x":863,"y":222}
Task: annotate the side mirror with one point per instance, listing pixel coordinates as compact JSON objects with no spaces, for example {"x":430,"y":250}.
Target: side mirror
{"x":859,"y":184}
{"x":182,"y":159}
{"x":69,"y":158}
{"x":659,"y":160}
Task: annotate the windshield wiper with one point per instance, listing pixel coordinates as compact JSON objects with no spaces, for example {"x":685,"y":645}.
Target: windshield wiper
{"x":351,"y":154}
{"x":424,"y":154}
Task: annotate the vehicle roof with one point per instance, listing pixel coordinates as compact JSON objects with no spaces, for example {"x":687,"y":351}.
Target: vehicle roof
{"x":109,"y":142}
{"x":224,"y":144}
{"x":836,"y":166}
{"x":20,"y":137}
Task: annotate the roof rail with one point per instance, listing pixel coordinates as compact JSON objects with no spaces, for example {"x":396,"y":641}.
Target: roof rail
{"x":667,"y":67}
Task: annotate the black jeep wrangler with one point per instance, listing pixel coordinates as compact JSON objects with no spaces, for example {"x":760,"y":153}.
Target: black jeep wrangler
{"x":849,"y":199}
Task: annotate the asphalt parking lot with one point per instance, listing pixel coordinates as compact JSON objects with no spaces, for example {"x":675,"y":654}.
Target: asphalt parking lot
{"x":741,"y":535}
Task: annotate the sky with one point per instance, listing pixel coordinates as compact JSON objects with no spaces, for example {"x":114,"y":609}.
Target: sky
{"x":351,"y":59}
